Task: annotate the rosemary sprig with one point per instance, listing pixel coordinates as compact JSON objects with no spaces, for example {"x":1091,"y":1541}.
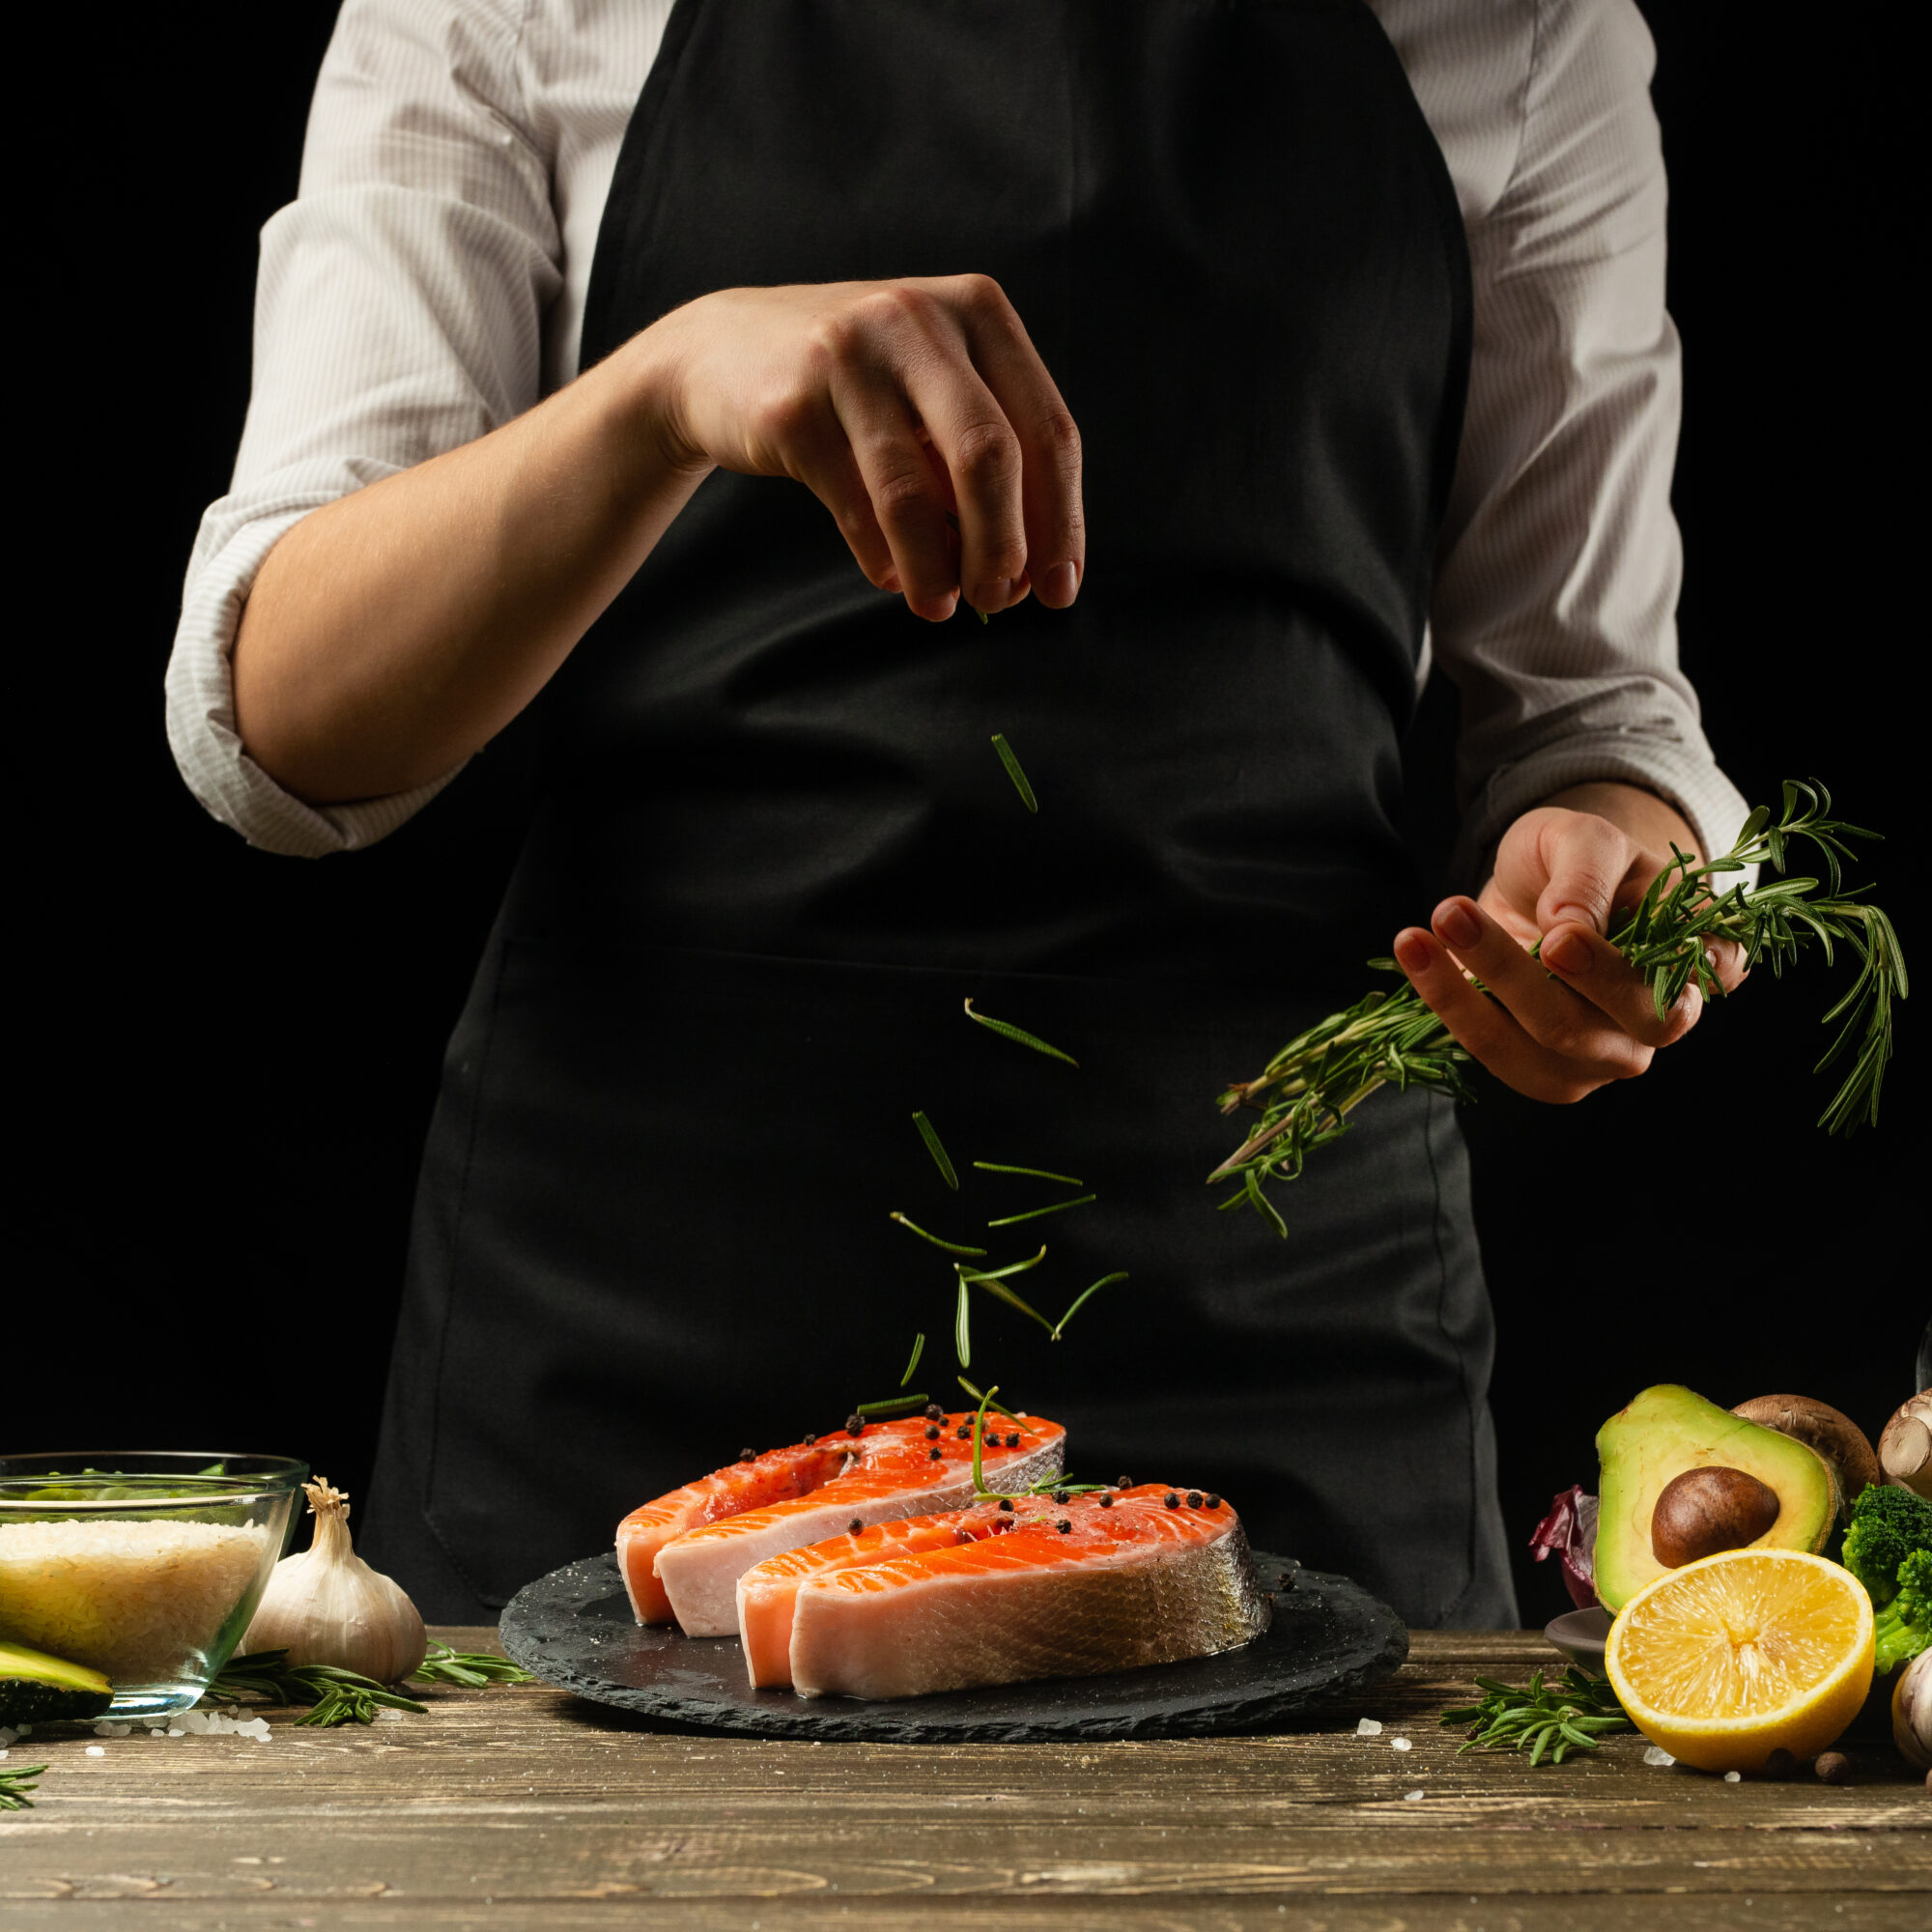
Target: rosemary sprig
{"x":1013,"y":772}
{"x":950,"y":1248}
{"x":16,"y":1781}
{"x":1033,"y":1214}
{"x":962,"y":1328}
{"x":472,"y":1668}
{"x":1045,"y":1486}
{"x":935,"y":1146}
{"x":986,"y":1399}
{"x":1007,"y":1031}
{"x":337,"y":1696}
{"x":1000,"y":1291}
{"x":918,"y":1350}
{"x":1036,"y":1173}
{"x":1557,"y":1718}
{"x":1308,"y":1089}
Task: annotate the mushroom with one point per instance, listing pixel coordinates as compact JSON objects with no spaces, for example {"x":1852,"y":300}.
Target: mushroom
{"x":1834,"y":1436}
{"x":1905,"y":1449}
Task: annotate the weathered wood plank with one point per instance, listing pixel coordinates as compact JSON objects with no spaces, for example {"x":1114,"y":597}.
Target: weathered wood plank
{"x":511,"y":1807}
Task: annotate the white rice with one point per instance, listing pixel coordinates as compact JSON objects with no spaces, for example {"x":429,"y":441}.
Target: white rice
{"x":140,"y":1601}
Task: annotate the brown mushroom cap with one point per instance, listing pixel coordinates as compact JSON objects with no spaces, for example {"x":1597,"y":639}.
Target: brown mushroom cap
{"x":1830,"y":1433}
{"x":1905,"y":1449}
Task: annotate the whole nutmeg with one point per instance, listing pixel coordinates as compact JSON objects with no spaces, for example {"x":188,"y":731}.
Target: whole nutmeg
{"x":1833,"y":1768}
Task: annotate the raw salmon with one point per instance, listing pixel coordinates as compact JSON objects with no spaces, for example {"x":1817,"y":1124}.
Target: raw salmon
{"x":992,"y":1595}
{"x":683,"y":1554}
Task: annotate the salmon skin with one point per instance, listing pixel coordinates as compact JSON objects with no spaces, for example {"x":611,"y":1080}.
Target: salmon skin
{"x":992,"y":1595}
{"x":682,"y":1555}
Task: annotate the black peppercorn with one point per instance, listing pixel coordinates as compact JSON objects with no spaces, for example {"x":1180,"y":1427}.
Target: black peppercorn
{"x":1171,"y":1500}
{"x":1213,"y":1502}
{"x":1194,"y":1499}
{"x":1125,"y":1483}
{"x":856,"y":1524}
{"x":747,"y":1454}
{"x":1106,"y":1502}
{"x":934,"y":1414}
{"x":855,"y":1425}
{"x":935,"y":1452}
{"x":810,"y":1440}
{"x":1060,"y":1495}
{"x":1064,"y":1527}
{"x":964,"y":1431}
{"x":1012,"y":1438}
{"x":931,"y":1432}
{"x":1006,"y":1502}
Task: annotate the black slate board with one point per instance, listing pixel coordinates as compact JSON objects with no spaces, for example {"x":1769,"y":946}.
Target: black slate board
{"x":574,"y":1630}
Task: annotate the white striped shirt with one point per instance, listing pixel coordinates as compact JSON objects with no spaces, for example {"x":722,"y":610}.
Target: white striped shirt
{"x":427,"y":285}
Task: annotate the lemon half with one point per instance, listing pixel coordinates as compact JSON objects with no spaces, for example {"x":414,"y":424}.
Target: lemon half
{"x":1742,"y":1654}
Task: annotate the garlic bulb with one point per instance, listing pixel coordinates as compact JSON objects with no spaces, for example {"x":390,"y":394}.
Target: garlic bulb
{"x":1911,"y":1710}
{"x":326,"y":1605}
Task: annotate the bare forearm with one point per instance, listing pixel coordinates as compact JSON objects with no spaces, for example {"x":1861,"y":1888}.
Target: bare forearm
{"x":395,"y":631}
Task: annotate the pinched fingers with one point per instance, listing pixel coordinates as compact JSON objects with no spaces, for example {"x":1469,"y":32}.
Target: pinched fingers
{"x":1051,"y":507}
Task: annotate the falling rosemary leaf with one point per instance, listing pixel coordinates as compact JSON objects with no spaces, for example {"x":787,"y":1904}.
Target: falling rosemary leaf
{"x":1012,"y":1267}
{"x":472,"y":1668}
{"x":1036,"y":1173}
{"x":929,"y":1134}
{"x":950,"y":1248}
{"x":898,"y":1405}
{"x":16,"y":1781}
{"x":1557,"y":1718}
{"x":997,"y":1288}
{"x":978,"y":1397}
{"x":1033,"y":1214}
{"x":1011,"y":760}
{"x":1007,"y":1031}
{"x":1308,"y":1089}
{"x":1079,"y":1300}
{"x":918,"y":1350}
{"x":962,"y":1329}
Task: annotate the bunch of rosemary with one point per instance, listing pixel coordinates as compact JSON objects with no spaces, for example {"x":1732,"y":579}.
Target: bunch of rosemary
{"x":337,"y":1696}
{"x":1557,"y":1718}
{"x":1308,"y":1089}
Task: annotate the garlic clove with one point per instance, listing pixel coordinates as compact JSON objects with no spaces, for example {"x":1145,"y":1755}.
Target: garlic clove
{"x":326,"y":1605}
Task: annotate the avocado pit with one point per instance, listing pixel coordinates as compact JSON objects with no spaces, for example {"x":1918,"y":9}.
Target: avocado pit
{"x":1706,"y":1509}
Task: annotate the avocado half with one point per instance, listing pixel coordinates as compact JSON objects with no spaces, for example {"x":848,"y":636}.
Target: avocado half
{"x":1668,"y":1429}
{"x":34,"y":1688}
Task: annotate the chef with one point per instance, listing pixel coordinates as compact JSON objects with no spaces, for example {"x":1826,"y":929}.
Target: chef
{"x":748,"y":412}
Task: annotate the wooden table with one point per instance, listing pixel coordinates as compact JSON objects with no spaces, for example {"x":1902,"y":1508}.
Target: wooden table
{"x":525,"y":1807}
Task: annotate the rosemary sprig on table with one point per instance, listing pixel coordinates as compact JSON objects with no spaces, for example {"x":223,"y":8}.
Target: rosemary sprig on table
{"x":1557,"y":1718}
{"x":338,"y":1697}
{"x":1308,"y":1089}
{"x":16,"y":1781}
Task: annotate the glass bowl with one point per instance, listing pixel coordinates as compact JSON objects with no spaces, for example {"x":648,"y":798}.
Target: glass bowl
{"x":143,"y":1564}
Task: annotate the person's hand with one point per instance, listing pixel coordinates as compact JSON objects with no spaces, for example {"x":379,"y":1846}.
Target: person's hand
{"x":1561,"y":875}
{"x":917,"y":411}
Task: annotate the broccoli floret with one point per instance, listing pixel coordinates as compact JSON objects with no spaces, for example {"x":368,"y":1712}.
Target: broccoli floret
{"x":1904,"y":1627}
{"x":1887,"y":1525}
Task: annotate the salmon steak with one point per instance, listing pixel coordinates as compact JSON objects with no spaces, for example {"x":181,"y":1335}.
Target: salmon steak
{"x":682,"y":1555}
{"x":1003,"y":1592}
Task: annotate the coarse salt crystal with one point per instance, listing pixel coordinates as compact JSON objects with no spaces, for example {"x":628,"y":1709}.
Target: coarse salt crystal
{"x":176,"y":1731}
{"x":389,"y":1717}
{"x":1656,"y":1755}
{"x":1400,"y":1744}
{"x":1734,"y":1778}
{"x":97,"y":1750}
{"x":1369,"y":1727}
{"x":1410,"y":1797}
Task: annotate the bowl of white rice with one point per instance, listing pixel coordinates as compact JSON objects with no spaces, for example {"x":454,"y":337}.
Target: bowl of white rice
{"x":145,"y":1565}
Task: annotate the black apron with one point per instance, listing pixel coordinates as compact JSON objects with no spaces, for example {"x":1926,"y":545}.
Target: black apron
{"x":775,"y":852}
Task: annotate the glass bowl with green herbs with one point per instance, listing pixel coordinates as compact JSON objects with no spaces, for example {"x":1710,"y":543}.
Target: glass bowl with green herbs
{"x":142,"y":1566}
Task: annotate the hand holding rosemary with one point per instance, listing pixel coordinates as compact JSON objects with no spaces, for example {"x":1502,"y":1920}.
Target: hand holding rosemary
{"x":1308,"y":1089}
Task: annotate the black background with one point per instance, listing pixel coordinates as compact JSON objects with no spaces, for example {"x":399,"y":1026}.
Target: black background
{"x":225,"y":1062}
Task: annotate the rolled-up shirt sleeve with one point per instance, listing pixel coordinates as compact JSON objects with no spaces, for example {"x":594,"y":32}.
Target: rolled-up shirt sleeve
{"x":399,"y":314}
{"x":1554,"y":610}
